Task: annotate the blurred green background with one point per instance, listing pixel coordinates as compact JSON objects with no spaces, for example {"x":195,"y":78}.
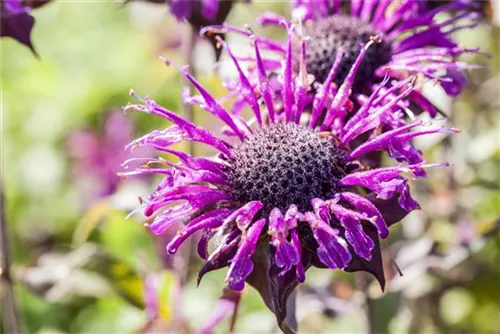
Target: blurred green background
{"x":79,"y":266}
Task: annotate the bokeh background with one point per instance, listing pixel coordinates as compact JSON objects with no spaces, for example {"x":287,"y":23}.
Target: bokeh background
{"x":79,"y":266}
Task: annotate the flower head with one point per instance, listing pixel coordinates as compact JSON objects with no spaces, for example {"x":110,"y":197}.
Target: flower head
{"x":411,"y":40}
{"x":290,"y":190}
{"x":16,"y":22}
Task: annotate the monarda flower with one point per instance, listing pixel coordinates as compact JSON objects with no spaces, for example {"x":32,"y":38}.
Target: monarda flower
{"x":413,"y":41}
{"x":285,"y":192}
{"x":97,"y":155}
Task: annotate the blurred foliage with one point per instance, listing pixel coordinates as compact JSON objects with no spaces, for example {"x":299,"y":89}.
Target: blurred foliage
{"x":81,"y":268}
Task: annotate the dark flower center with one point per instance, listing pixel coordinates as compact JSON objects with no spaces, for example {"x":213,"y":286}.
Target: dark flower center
{"x":329,"y":34}
{"x":285,"y":164}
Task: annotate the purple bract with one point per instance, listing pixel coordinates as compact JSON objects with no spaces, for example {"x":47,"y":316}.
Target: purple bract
{"x":16,"y":21}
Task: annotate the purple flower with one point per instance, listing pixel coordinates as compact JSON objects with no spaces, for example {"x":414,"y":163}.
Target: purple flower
{"x":16,"y":22}
{"x":412,"y":40}
{"x":98,"y":156}
{"x":226,"y":306}
{"x":287,"y":189}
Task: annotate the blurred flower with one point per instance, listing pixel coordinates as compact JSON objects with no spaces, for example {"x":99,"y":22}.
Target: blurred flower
{"x":226,"y":306}
{"x":16,"y":22}
{"x":159,"y":306}
{"x":98,"y":156}
{"x":411,"y":42}
{"x":287,"y":195}
{"x":60,"y":276}
{"x":484,"y":7}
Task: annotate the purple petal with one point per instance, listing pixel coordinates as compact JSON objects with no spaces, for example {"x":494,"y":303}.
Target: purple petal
{"x":244,"y":215}
{"x":344,"y":91}
{"x":244,"y":86}
{"x":365,"y":206}
{"x":171,"y":216}
{"x":211,"y":105}
{"x":16,"y":22}
{"x":456,"y":84}
{"x":299,"y":271}
{"x":209,"y":220}
{"x":270,"y":18}
{"x":185,"y":130}
{"x":241,"y":264}
{"x":286,"y":253}
{"x":210,"y":8}
{"x":181,"y":9}
{"x":354,"y":233}
{"x":221,"y":257}
{"x":263,"y":83}
{"x":203,"y":243}
{"x":197,"y":196}
{"x":287,"y":93}
{"x":405,"y":199}
{"x":333,"y":250}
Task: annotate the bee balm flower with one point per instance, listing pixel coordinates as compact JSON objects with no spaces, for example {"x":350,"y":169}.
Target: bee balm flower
{"x":296,"y":191}
{"x":413,"y":40}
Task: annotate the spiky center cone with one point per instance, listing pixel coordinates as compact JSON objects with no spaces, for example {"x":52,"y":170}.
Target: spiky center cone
{"x":328,"y":35}
{"x":285,"y":164}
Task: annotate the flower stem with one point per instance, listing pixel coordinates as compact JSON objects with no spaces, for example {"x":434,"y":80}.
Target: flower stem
{"x":188,"y":54}
{"x":363,"y":282}
{"x":10,"y":316}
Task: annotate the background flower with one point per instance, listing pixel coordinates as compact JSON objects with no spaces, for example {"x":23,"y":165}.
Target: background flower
{"x":98,"y":155}
{"x":413,"y":40}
